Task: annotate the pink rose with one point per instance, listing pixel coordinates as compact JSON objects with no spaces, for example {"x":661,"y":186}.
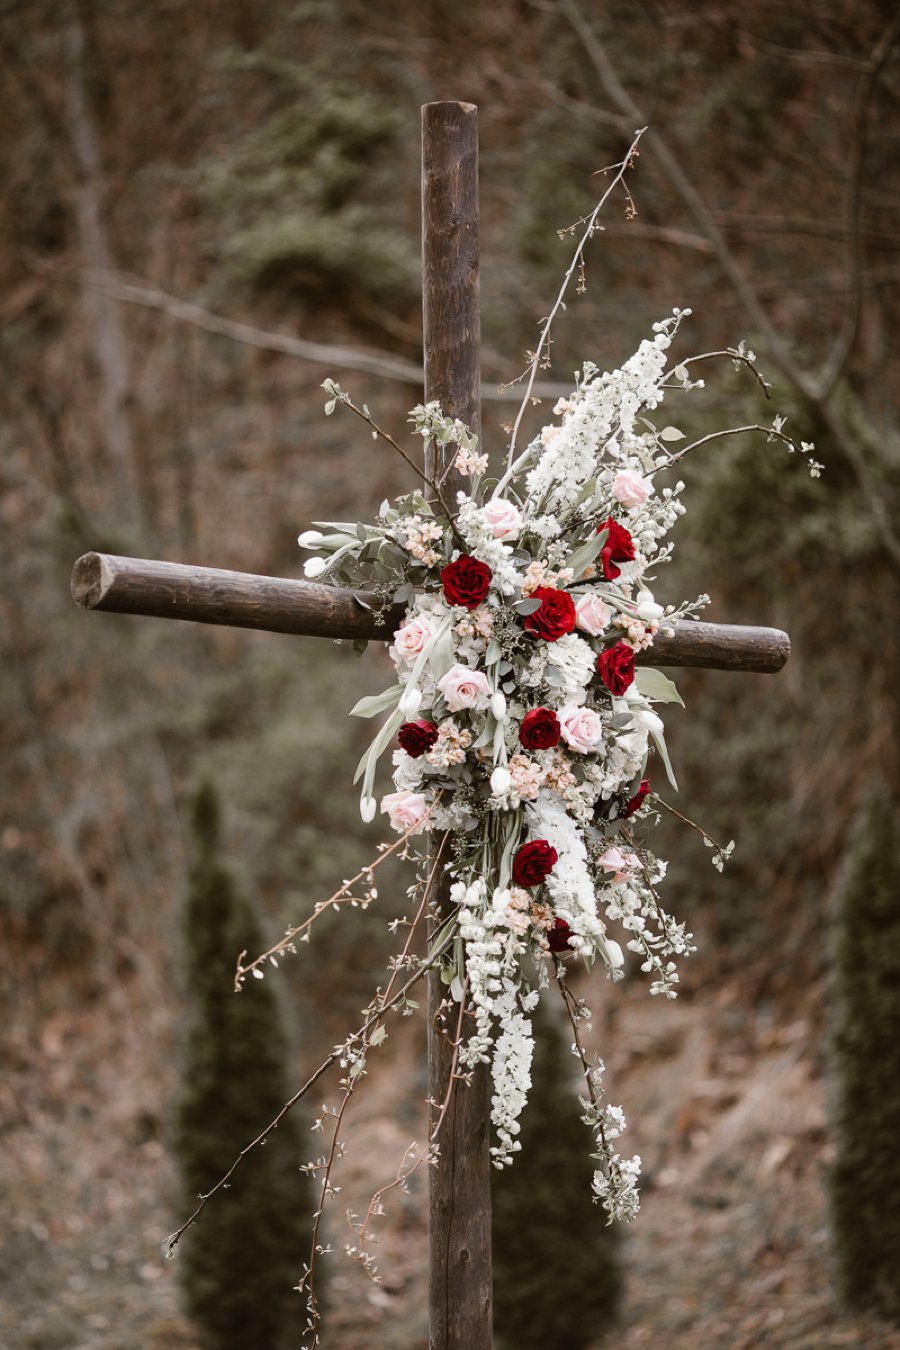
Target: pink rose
{"x":504,"y":518}
{"x":592,"y":615}
{"x":630,"y":488}
{"x":411,"y":637}
{"x":622,"y":865}
{"x":405,"y":811}
{"x":463,"y":688}
{"x":582,"y":728}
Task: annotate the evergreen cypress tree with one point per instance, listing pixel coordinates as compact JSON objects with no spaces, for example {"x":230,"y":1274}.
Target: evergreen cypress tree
{"x":557,"y":1269}
{"x":865,"y":1065}
{"x":240,"y":1262}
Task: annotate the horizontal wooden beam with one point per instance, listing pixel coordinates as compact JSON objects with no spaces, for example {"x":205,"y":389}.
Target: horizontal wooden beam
{"x":165,"y":590}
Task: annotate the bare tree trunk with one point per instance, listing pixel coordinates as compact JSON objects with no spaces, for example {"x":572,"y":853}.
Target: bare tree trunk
{"x":103,"y":320}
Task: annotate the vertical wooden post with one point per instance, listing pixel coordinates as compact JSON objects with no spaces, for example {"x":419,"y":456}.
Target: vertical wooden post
{"x":460,"y":1309}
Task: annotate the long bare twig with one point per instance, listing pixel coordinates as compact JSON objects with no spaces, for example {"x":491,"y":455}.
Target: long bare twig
{"x":577,"y":262}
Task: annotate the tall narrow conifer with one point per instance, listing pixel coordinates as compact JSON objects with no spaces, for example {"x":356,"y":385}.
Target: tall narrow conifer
{"x":865,"y":1065}
{"x":241,"y":1260}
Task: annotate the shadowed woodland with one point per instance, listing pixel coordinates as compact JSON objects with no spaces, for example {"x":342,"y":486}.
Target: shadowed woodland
{"x":193,"y":196}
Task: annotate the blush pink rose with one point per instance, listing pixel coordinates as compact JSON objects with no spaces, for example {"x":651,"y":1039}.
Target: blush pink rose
{"x":630,"y":488}
{"x":504,"y":518}
{"x":411,"y":637}
{"x":464,"y":688}
{"x":405,"y":810}
{"x":582,"y":728}
{"x":620,"y":864}
{"x":592,"y":615}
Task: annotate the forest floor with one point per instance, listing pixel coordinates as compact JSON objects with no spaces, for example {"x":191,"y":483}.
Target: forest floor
{"x":730,"y":1249}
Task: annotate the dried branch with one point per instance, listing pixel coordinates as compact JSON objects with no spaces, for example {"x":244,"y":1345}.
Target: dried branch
{"x":577,"y":263}
{"x":300,"y":932}
{"x":331,"y":356}
{"x":837,"y":358}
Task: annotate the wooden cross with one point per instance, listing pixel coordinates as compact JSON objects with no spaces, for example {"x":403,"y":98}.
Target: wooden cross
{"x":460,"y":1304}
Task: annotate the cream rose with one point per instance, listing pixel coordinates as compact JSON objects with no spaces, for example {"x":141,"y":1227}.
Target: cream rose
{"x":504,"y":518}
{"x":592,"y":615}
{"x":463,"y":688}
{"x":582,"y":728}
{"x":405,"y":810}
{"x":411,"y":637}
{"x":630,"y":488}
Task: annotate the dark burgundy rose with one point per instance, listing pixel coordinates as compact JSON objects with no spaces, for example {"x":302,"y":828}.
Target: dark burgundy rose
{"x":619,"y":547}
{"x":466,"y":581}
{"x":417,"y":738}
{"x":637,"y":801}
{"x":533,"y":862}
{"x":558,"y":936}
{"x":616,"y":667}
{"x":556,"y":616}
{"x":540,"y":729}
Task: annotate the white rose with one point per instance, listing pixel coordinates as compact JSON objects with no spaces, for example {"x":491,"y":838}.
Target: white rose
{"x":581,"y":727}
{"x":501,"y":780}
{"x":411,"y":637}
{"x":504,"y":518}
{"x":592,"y":615}
{"x":630,"y":488}
{"x":620,"y":864}
{"x":405,"y":810}
{"x":463,"y":688}
{"x":314,"y":567}
{"x":309,"y":538}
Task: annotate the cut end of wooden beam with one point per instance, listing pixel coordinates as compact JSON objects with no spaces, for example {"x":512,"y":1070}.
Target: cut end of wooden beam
{"x":92,"y":577}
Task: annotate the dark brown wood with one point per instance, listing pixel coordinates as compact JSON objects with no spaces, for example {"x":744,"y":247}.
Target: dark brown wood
{"x":236,"y":599}
{"x":460,"y":1275}
{"x":165,"y":590}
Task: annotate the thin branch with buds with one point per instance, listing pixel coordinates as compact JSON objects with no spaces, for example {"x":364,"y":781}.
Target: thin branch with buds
{"x":366,"y":416}
{"x":349,"y":1084}
{"x":371,"y":1021}
{"x":341,"y":896}
{"x":429,"y":1155}
{"x":540,"y":354}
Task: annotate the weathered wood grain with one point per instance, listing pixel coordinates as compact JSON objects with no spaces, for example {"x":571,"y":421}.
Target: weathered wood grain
{"x":164,"y":590}
{"x":460,"y":1269}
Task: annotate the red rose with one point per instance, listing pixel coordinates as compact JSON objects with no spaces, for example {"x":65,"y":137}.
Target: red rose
{"x":619,"y":547}
{"x":417,"y":738}
{"x":616,"y":667}
{"x":540,"y":729}
{"x":558,"y":936}
{"x":556,"y":616}
{"x":534,"y":862}
{"x":637,"y":801}
{"x":466,"y":581}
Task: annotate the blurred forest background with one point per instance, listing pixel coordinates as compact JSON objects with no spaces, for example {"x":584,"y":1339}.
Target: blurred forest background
{"x":260,"y":164}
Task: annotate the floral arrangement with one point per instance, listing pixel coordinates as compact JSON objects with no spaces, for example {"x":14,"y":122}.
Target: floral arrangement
{"x":523,"y":727}
{"x":520,"y":720}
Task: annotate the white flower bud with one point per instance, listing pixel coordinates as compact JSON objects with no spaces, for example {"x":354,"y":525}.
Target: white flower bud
{"x":410,"y":702}
{"x":501,"y":780}
{"x":614,"y":954}
{"x":367,"y":808}
{"x":314,"y":567}
{"x":498,"y":705}
{"x":309,"y":538}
